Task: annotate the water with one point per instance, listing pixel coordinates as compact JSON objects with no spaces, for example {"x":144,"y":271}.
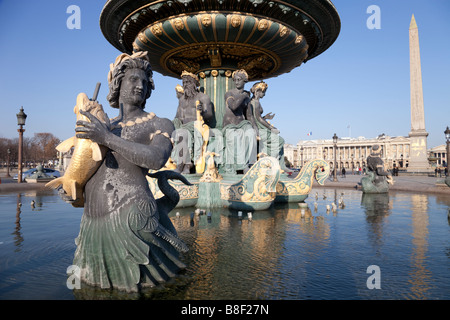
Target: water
{"x":279,"y":254}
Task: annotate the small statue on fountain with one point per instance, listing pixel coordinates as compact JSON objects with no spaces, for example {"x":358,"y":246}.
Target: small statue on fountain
{"x":378,"y":178}
{"x":238,"y":133}
{"x":269,"y":140}
{"x":188,"y":141}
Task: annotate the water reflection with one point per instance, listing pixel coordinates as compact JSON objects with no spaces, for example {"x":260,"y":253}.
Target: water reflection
{"x":285,"y":252}
{"x":18,"y":238}
{"x":420,"y":275}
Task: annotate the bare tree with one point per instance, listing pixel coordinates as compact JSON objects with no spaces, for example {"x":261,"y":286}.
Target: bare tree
{"x":39,"y":149}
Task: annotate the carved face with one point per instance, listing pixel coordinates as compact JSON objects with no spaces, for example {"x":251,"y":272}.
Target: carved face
{"x":189,"y":86}
{"x":178,"y":24}
{"x":260,"y":94}
{"x":239,"y":81}
{"x":206,"y":20}
{"x":134,"y":87}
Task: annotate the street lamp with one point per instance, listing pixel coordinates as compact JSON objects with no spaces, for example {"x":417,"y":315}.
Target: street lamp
{"x":301,"y":153}
{"x":7,"y":162}
{"x":447,"y":137}
{"x":335,"y":139}
{"x":352,"y":163}
{"x":21,"y":117}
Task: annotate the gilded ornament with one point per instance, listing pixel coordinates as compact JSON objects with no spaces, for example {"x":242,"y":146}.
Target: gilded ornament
{"x":178,"y":22}
{"x":206,"y":20}
{"x":258,"y":185}
{"x":228,"y":73}
{"x":263,"y":87}
{"x":263,"y":24}
{"x":299,"y":39}
{"x":156,"y":29}
{"x":202,"y":75}
{"x":284,"y":31}
{"x":235,"y":20}
{"x":142,"y":38}
{"x":189,"y":74}
{"x":211,"y":173}
{"x":301,"y":185}
{"x":214,"y":73}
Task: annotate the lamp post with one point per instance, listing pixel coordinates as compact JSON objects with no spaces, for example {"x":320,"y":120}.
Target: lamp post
{"x":335,"y":138}
{"x":352,"y":163}
{"x":301,"y":153}
{"x":8,"y":152}
{"x":447,"y":137}
{"x":21,"y":117}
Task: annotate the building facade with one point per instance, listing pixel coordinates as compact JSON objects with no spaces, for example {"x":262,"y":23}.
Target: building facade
{"x":351,"y":153}
{"x":438,"y":155}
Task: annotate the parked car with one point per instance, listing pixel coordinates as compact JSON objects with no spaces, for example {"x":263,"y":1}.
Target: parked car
{"x":47,"y":171}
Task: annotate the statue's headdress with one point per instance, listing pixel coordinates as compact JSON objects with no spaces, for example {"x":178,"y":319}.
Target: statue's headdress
{"x":241,"y":71}
{"x":117,"y":72}
{"x":376,"y":148}
{"x":122,"y":57}
{"x":189,"y":74}
{"x":259,"y":86}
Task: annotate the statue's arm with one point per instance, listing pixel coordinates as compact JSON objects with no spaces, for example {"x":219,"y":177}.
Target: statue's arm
{"x":381,"y":171}
{"x":152,"y":156}
{"x":235,"y":101}
{"x":178,"y":114}
{"x":378,"y":165}
{"x":261,"y":119}
{"x":207,"y":107}
{"x":269,"y":116}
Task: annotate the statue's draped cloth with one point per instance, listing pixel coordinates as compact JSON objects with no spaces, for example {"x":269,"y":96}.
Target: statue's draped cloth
{"x":240,"y":146}
{"x":190,"y":146}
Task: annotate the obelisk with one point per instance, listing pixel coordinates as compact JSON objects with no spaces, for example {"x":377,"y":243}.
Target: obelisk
{"x":418,"y":159}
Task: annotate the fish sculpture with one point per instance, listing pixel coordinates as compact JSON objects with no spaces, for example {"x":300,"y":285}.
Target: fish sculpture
{"x":87,"y":155}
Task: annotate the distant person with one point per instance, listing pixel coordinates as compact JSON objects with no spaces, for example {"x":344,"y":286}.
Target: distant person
{"x":343,"y":172}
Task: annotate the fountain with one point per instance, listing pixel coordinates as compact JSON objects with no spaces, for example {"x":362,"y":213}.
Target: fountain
{"x":211,"y":40}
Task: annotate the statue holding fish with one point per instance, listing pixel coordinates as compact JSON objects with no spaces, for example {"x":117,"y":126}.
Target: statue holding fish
{"x":125,"y":241}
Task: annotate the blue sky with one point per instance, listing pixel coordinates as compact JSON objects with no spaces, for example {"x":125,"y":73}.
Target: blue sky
{"x":362,"y":81}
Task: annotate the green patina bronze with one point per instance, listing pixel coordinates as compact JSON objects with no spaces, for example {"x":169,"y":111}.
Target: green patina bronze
{"x":257,"y":190}
{"x":298,"y":189}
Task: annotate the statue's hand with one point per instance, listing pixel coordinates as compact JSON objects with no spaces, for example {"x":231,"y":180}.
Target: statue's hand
{"x":269,"y":116}
{"x":63,"y":195}
{"x":94,"y":130}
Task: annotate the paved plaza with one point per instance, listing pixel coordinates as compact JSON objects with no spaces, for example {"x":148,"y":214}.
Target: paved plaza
{"x":403,"y":182}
